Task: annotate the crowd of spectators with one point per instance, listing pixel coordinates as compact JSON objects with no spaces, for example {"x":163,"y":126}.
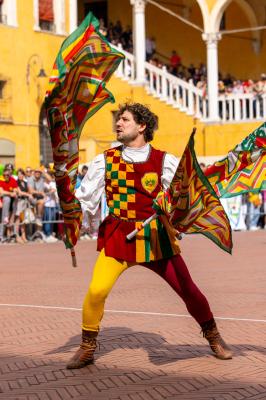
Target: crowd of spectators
{"x":29,"y":206}
{"x":116,"y":35}
{"x":227,"y":84}
{"x":30,"y":211}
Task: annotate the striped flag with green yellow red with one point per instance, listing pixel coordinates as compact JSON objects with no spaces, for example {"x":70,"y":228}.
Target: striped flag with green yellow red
{"x":244,"y":168}
{"x":83,"y":66}
{"x":191,"y":204}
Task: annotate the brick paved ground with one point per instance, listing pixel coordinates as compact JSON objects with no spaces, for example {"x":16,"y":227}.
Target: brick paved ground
{"x":142,"y":356}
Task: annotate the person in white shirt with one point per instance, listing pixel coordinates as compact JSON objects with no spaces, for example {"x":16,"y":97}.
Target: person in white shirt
{"x":131,"y":176}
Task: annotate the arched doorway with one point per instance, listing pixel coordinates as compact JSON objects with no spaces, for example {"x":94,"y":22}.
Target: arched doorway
{"x":7,"y":151}
{"x":46,"y":154}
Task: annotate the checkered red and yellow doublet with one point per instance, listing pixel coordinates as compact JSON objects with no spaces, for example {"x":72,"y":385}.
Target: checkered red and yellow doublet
{"x":130,"y":190}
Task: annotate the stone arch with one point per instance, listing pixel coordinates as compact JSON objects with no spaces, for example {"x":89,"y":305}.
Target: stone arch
{"x":7,"y":151}
{"x":221,"y":5}
{"x":253,"y":20}
{"x":205,"y":14}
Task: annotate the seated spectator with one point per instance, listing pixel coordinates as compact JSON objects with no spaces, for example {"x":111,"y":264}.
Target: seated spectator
{"x":228,"y":80}
{"x":237,"y":87}
{"x":175,"y":60}
{"x":248,"y":86}
{"x":126,"y":39}
{"x":203,"y":69}
{"x":102,"y":27}
{"x":260,"y":86}
{"x":191,"y":70}
{"x":8,"y":194}
{"x":22,"y":203}
{"x":150,"y":48}
{"x":196,"y":76}
{"x":36,"y":185}
{"x":117,"y":30}
{"x":50,"y":207}
{"x":182,"y":72}
{"x":28,"y":173}
{"x":202,"y":85}
{"x":221,"y":87}
{"x":10,"y":168}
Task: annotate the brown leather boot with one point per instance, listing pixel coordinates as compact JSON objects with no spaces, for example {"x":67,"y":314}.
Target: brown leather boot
{"x":84,"y":355}
{"x":217,"y":344}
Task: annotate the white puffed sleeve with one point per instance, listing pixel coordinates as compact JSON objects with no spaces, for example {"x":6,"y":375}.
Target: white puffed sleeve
{"x":92,"y":185}
{"x":169,"y":168}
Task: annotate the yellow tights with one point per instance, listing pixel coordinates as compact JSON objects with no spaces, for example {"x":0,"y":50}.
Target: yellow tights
{"x":106,"y":272}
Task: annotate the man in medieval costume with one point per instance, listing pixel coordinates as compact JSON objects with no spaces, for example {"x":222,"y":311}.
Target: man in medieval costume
{"x":132,"y":175}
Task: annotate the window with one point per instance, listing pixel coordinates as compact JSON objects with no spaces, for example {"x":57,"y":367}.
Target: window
{"x":2,"y":85}
{"x":5,"y":100}
{"x":46,"y":15}
{"x":49,"y":16}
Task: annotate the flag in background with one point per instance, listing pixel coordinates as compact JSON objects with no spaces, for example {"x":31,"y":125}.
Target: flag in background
{"x":244,"y":168}
{"x":76,"y":91}
{"x":191,"y":204}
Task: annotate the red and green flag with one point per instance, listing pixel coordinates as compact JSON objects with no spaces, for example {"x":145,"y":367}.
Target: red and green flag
{"x":191,"y":204}
{"x":244,"y":168}
{"x":83,"y":66}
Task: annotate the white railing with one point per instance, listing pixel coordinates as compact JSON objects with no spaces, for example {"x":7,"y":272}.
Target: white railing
{"x":188,"y":98}
{"x":174,"y":91}
{"x":242,"y":107}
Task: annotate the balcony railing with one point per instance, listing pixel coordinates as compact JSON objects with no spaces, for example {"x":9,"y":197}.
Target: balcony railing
{"x":189,"y":99}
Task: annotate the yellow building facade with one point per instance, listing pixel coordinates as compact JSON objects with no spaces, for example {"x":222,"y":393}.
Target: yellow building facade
{"x":29,"y":46}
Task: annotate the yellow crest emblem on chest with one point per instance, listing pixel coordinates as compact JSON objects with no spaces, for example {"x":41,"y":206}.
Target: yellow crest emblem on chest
{"x":149,"y":181}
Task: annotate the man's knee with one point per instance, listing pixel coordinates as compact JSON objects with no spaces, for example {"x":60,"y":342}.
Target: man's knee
{"x":97,"y":294}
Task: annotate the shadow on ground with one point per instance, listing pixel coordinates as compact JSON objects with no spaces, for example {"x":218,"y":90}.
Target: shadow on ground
{"x":159,"y":351}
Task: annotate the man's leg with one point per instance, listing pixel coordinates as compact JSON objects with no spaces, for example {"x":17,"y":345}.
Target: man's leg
{"x":105,"y":274}
{"x":175,"y":272}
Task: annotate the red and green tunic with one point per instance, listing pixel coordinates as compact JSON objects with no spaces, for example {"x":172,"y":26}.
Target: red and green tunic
{"x":130,"y":190}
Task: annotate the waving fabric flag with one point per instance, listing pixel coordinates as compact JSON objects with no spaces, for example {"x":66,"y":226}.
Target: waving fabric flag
{"x":76,"y":91}
{"x":244,"y":168}
{"x":191,"y":204}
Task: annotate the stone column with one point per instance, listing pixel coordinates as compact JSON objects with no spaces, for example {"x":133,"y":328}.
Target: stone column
{"x":211,"y":40}
{"x":139,"y":39}
{"x":73,"y":15}
{"x":59,"y":16}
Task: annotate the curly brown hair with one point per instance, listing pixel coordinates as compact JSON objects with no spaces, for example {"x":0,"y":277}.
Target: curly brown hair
{"x":141,"y":115}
